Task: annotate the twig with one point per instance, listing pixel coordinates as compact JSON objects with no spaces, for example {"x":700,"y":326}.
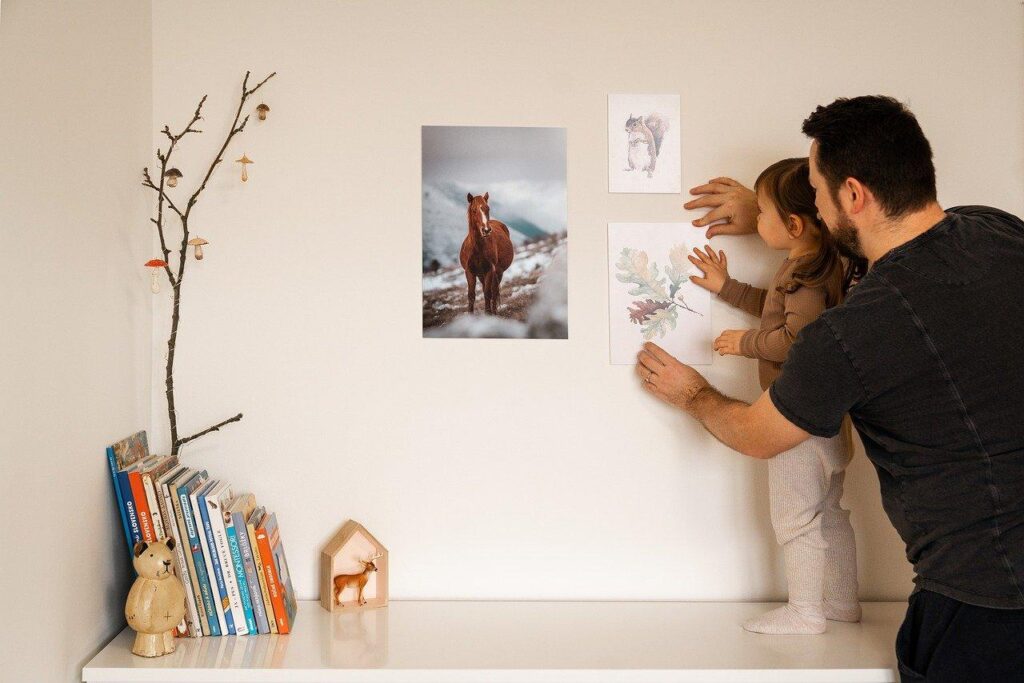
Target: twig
{"x":214,"y":428}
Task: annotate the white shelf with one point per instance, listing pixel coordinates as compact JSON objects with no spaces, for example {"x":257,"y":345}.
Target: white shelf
{"x":512,"y":642}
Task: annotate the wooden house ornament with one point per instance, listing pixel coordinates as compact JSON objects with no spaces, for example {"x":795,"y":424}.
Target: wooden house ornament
{"x":353,"y":571}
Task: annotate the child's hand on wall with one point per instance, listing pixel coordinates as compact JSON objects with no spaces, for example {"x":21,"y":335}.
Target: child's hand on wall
{"x":728,"y":343}
{"x":714,"y":266}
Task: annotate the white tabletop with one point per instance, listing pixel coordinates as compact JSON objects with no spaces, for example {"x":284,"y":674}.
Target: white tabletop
{"x":416,"y":641}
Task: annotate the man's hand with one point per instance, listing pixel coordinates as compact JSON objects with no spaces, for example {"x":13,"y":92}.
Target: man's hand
{"x":757,"y":430}
{"x":714,"y":266}
{"x":668,"y":379}
{"x":730,"y":202}
{"x":728,"y":343}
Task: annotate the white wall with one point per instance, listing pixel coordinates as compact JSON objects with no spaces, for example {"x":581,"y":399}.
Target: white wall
{"x":75,"y":106}
{"x":517,"y":469}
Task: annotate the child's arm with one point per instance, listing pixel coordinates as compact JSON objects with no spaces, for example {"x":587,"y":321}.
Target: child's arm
{"x":802,"y":307}
{"x":716,"y":279}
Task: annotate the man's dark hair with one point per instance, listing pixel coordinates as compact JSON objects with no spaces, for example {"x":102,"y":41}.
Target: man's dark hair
{"x":876,"y":140}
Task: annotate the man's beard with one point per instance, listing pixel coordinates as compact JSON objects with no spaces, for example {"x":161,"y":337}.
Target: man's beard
{"x":846,"y":238}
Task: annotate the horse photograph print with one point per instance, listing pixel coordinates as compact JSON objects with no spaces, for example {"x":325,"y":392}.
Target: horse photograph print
{"x":494,"y":232}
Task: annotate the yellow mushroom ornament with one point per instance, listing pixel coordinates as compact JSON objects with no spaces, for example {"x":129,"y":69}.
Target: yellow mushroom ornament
{"x":244,"y":161}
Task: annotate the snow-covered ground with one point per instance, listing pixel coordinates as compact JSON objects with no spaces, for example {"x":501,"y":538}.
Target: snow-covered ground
{"x":445,"y":291}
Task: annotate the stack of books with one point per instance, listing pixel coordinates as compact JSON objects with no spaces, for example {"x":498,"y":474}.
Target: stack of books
{"x":228,"y":550}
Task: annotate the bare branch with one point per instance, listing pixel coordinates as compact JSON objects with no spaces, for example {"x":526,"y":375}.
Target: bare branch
{"x":232,"y":132}
{"x":214,"y":428}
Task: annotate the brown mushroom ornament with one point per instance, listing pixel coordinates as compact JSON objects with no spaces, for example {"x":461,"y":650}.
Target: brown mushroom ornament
{"x":172,"y":175}
{"x":261,"y":112}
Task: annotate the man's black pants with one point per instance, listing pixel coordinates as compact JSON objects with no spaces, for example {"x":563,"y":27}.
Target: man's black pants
{"x":943,"y":640}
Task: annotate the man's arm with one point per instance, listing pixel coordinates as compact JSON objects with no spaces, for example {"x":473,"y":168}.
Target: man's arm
{"x":758,"y":430}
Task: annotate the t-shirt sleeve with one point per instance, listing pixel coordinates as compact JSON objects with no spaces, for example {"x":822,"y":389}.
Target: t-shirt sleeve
{"x":819,"y":383}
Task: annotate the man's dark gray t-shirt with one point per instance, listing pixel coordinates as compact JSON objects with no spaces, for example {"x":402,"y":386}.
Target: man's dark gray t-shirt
{"x":927,"y":356}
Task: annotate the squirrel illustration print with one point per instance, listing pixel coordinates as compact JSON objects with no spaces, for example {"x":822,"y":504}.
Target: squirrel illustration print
{"x":644,"y":135}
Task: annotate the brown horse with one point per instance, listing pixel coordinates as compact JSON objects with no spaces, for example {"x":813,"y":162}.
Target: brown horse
{"x":486,"y":252}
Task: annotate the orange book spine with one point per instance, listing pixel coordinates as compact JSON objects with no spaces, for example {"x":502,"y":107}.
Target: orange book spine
{"x":273,"y":581}
{"x":142,"y":507}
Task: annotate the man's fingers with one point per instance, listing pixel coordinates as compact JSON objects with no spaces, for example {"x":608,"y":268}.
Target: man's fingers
{"x":724,"y":180}
{"x":644,"y":372}
{"x":648,"y":361}
{"x":704,"y":202}
{"x":725,"y":261}
{"x":699,"y":281}
{"x":727,"y":228}
{"x":660,"y":354}
{"x":710,"y":187}
{"x":716,"y":214}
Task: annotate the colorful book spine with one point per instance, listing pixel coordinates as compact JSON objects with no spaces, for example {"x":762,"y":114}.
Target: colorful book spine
{"x":235,"y":547}
{"x":214,"y":562}
{"x":187,"y":626}
{"x":284,"y":577}
{"x":250,"y":525}
{"x":273,"y":583}
{"x":216,"y":502}
{"x":241,"y":530}
{"x":149,"y":479}
{"x":194,"y":629}
{"x":141,"y":506}
{"x":190,"y":512}
{"x":192,"y":590}
{"x":134,"y":530}
{"x":112,"y":461}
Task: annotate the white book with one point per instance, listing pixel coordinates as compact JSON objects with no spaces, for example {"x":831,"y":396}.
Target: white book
{"x":217,"y":502}
{"x":167,"y":485}
{"x":193,"y":500}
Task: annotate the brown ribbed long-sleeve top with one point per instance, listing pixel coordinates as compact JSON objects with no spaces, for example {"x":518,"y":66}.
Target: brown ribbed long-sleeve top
{"x":782,"y":317}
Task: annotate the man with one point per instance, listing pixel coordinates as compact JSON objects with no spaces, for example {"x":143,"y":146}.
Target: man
{"x":927,"y":357}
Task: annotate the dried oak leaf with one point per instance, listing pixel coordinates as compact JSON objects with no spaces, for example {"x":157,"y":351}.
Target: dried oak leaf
{"x":645,"y":309}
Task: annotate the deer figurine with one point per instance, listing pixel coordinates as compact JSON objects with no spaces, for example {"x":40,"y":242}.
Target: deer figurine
{"x":343,"y":581}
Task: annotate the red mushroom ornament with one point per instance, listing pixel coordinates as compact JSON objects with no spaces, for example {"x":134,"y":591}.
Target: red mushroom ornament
{"x":155,"y":265}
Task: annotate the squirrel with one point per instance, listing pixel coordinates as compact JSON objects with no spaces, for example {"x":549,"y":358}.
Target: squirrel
{"x":645,"y":137}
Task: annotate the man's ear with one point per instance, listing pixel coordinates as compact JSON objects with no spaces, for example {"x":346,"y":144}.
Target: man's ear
{"x":170,"y":542}
{"x":140,"y":548}
{"x":855,"y":193}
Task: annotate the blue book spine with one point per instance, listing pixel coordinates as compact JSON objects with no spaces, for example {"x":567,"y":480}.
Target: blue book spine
{"x":222,"y":587}
{"x":197,"y":557}
{"x":125,"y":487}
{"x":243,"y":583}
{"x":251,"y":578}
{"x":112,"y":461}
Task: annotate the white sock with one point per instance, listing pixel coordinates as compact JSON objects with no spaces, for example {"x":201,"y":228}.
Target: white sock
{"x":842,"y":611}
{"x":790,"y":619}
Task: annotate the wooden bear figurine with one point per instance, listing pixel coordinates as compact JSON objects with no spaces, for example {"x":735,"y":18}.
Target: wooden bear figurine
{"x":156,"y":602}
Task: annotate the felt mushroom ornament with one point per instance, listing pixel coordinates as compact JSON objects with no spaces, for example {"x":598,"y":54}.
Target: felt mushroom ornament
{"x":198,"y":243}
{"x":154,"y":266}
{"x":261,"y":112}
{"x":244,"y":161}
{"x":172,"y":175}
